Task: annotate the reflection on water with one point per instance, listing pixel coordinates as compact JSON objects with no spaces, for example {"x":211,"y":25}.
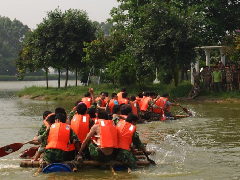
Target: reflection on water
{"x":205,"y":146}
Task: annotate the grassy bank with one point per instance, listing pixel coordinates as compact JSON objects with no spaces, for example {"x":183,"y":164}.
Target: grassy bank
{"x":34,"y":78}
{"x":75,"y":93}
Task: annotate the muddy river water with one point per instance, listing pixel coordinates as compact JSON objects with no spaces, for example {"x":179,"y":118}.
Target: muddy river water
{"x":205,"y":146}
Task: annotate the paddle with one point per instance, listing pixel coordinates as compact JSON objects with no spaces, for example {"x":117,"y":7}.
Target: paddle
{"x":29,"y":152}
{"x":150,"y":160}
{"x":8,"y":149}
{"x":184,"y":109}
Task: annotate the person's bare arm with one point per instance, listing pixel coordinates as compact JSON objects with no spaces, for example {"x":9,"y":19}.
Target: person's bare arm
{"x":93,"y":130}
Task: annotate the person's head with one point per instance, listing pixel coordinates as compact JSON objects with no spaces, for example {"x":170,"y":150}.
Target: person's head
{"x":114,"y":96}
{"x":123,"y":89}
{"x":132,"y":118}
{"x":81,"y":108}
{"x":196,"y":84}
{"x":46,"y":113}
{"x":103,"y":115}
{"x":194,"y":69}
{"x":140,"y":95}
{"x":92,"y":112}
{"x":228,"y":68}
{"x":165,"y":95}
{"x":124,"y":95}
{"x":125,"y":109}
{"x":133,"y":98}
{"x":87,"y":94}
{"x":51,"y":119}
{"x":60,"y":110}
{"x":152,"y":94}
{"x":146,"y":93}
{"x":102,"y":95}
{"x":77,"y":102}
{"x":106,"y":94}
{"x":216,"y":69}
{"x":60,"y":117}
{"x":116,"y":109}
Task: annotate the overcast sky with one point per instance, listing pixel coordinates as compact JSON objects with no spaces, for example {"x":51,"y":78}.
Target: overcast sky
{"x":32,"y":12}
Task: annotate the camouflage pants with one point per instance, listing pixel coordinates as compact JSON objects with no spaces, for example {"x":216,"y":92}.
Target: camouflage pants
{"x":57,"y":155}
{"x":127,"y":158}
{"x":97,"y":154}
{"x":150,"y":116}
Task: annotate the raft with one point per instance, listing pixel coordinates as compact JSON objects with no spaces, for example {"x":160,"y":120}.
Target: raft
{"x":91,"y":163}
{"x":174,"y":117}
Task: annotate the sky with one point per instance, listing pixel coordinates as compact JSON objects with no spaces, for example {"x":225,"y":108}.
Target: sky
{"x":32,"y":12}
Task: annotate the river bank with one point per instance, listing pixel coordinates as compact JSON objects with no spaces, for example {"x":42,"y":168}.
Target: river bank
{"x":73,"y":93}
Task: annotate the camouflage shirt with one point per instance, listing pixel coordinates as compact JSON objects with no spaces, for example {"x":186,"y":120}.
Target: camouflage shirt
{"x":42,"y":129}
{"x":56,"y":155}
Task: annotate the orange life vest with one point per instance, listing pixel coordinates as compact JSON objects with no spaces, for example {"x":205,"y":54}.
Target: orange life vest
{"x":59,"y":136}
{"x":163,"y":103}
{"x":87,"y":101}
{"x":157,"y":110}
{"x":108,"y":134}
{"x":123,"y":101}
{"x":145,"y":104}
{"x":111,"y":104}
{"x":134,"y":107}
{"x":103,"y":103}
{"x":125,"y":132}
{"x":80,"y":125}
{"x":139,"y":100}
{"x":106,"y":99}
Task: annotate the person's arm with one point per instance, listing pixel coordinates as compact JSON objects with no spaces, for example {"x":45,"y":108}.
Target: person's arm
{"x":88,"y":138}
{"x":92,"y":95}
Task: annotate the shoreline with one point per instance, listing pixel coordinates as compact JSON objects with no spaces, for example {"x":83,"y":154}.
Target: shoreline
{"x":207,"y":99}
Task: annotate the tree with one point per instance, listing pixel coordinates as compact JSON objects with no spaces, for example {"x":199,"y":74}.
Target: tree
{"x":232,"y":46}
{"x":12,"y":33}
{"x":58,"y":41}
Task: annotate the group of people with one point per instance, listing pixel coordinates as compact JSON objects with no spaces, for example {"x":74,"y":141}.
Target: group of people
{"x":219,"y":78}
{"x":100,"y":129}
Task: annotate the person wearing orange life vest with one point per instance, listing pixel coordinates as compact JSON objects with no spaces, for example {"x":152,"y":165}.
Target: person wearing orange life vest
{"x":101,"y":104}
{"x":123,"y":89}
{"x":167,"y":105}
{"x":81,"y":122}
{"x":112,"y":102}
{"x":93,"y":114}
{"x":126,"y":136}
{"x":124,"y":99}
{"x":101,"y":148}
{"x":139,"y":98}
{"x":148,"y":105}
{"x":46,"y":115}
{"x":135,"y":106}
{"x":125,"y":109}
{"x":60,"y":139}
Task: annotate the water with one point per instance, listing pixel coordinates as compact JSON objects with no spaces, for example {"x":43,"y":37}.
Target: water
{"x":203,"y":147}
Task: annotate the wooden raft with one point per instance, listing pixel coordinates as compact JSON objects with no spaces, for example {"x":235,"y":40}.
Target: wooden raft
{"x":138,"y":154}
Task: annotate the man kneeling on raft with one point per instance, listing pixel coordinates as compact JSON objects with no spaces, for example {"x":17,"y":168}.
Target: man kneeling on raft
{"x":102,"y":138}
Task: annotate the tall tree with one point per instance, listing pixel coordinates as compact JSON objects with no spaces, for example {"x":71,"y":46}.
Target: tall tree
{"x":58,"y":40}
{"x":12,"y":33}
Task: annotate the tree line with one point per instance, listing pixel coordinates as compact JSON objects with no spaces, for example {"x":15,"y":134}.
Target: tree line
{"x":145,"y":35}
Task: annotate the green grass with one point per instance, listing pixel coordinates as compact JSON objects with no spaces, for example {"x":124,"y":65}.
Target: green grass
{"x":75,"y":93}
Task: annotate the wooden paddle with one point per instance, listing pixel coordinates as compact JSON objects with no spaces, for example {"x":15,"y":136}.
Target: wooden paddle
{"x":184,"y":109}
{"x":8,"y":149}
{"x":29,"y":152}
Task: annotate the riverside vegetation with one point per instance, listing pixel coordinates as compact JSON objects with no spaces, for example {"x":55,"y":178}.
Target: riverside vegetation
{"x":76,"y":92}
